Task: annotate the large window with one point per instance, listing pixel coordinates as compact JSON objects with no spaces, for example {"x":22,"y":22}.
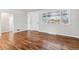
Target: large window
{"x":56,"y":17}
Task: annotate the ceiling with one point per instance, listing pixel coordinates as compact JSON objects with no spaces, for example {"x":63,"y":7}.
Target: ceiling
{"x":24,"y":10}
{"x":28,"y":10}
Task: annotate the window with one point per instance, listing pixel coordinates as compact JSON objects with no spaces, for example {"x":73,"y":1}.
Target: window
{"x":57,"y":17}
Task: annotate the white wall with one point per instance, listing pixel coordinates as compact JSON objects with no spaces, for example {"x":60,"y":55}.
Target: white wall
{"x":0,"y":27}
{"x":20,"y":19}
{"x":62,"y":29}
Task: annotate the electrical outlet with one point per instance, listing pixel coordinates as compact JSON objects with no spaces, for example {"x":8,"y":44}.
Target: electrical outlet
{"x":18,"y":29}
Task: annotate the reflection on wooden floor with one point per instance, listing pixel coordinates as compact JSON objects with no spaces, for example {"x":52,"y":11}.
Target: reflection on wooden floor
{"x":34,"y":40}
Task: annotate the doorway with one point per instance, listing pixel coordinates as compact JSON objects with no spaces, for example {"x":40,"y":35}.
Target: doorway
{"x":7,"y":24}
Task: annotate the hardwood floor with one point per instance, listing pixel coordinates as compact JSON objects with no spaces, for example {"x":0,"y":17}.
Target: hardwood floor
{"x":34,"y":40}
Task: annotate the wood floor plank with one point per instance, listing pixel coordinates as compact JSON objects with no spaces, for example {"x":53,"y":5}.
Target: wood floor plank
{"x":34,"y":40}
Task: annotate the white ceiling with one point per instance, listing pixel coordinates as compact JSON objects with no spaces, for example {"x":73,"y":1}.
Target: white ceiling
{"x":28,"y":10}
{"x":24,"y":10}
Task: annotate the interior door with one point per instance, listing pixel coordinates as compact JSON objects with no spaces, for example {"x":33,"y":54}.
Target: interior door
{"x":7,"y":22}
{"x":7,"y":25}
{"x":33,"y":21}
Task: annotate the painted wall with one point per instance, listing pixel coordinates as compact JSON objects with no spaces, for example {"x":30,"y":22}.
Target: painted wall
{"x":62,"y":29}
{"x":20,"y":20}
{"x":0,"y":27}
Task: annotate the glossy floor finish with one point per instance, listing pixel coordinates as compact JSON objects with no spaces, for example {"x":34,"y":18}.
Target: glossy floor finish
{"x":34,"y":40}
